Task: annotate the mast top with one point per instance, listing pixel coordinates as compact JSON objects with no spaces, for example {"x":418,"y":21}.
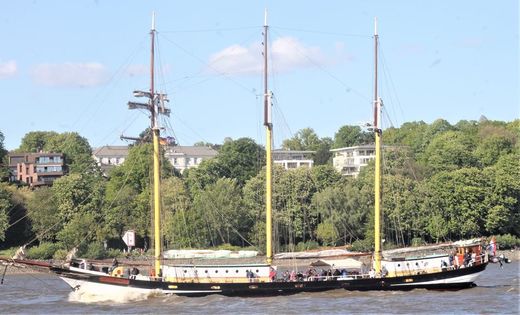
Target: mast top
{"x":375,"y":26}
{"x":265,"y":17}
{"x":153,"y":21}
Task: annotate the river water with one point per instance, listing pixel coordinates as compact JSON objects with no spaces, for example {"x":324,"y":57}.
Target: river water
{"x":497,"y":292}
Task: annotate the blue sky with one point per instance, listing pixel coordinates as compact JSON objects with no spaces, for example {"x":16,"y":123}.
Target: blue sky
{"x":72,"y":65}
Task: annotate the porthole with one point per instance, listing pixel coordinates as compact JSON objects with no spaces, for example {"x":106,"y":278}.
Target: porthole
{"x":205,"y":271}
{"x":256,"y":270}
{"x":227,"y":271}
{"x":398,"y":265}
{"x":236,"y":271}
{"x":185,"y":271}
{"x":216,"y":271}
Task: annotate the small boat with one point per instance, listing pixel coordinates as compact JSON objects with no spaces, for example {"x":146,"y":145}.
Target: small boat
{"x":456,"y":271}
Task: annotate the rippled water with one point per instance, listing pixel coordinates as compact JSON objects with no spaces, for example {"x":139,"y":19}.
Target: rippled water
{"x":497,"y":292}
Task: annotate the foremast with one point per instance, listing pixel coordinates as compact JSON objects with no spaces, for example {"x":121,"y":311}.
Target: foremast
{"x":268,"y":155}
{"x":156,"y":106}
{"x":377,"y":172}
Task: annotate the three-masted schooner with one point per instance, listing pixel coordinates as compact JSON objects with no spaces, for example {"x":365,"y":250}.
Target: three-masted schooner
{"x":430,"y":272}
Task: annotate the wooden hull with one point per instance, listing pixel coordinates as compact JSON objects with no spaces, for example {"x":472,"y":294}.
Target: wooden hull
{"x":446,"y":280}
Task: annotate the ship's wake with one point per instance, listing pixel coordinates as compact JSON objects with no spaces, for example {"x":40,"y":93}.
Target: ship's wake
{"x":118,"y":296}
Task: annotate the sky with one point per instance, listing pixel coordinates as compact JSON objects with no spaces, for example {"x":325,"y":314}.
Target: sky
{"x":71,"y":66}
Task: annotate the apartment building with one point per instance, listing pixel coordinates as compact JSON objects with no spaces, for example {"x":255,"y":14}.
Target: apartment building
{"x":349,"y":160}
{"x":290,"y":159}
{"x":36,"y":169}
{"x":109,"y":156}
{"x":185,"y":157}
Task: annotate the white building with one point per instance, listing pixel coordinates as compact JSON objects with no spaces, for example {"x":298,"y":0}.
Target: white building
{"x":184,"y":157}
{"x":349,"y":160}
{"x":109,"y":156}
{"x":293,"y":159}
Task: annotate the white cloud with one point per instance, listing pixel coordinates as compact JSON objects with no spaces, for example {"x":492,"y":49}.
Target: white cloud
{"x":286,"y":54}
{"x":70,"y":74}
{"x":8,"y":69}
{"x":137,"y":70}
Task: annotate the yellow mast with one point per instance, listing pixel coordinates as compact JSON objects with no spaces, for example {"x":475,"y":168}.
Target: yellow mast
{"x":377,"y":173}
{"x":268,"y":144}
{"x":156,"y":106}
{"x":156,"y":161}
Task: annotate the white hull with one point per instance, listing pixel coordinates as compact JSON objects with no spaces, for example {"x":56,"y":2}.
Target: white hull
{"x":95,"y":291}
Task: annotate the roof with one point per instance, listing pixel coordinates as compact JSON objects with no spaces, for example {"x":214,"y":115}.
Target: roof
{"x":366,"y":146}
{"x":280,"y":151}
{"x":111,"y":150}
{"x":338,"y":263}
{"x":192,"y":151}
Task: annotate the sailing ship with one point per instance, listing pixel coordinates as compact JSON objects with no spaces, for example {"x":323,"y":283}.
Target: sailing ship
{"x":455,"y":271}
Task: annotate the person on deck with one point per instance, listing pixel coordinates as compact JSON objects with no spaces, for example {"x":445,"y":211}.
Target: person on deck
{"x":272,"y":273}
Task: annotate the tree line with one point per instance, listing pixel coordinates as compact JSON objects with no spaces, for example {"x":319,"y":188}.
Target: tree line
{"x":440,"y":182}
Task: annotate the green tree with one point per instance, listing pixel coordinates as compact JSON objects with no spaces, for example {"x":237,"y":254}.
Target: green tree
{"x":402,"y":219}
{"x":238,"y":159}
{"x":449,"y":151}
{"x":41,"y":207}
{"x":4,"y":163}
{"x":324,"y":176}
{"x":241,"y":159}
{"x":459,"y":197}
{"x":36,"y":141}
{"x":327,"y":234}
{"x":504,"y":201}
{"x":342,"y":207}
{"x":183,"y":226}
{"x":410,"y":134}
{"x":222,"y":210}
{"x":78,"y":197}
{"x":5,"y":206}
{"x":348,"y":136}
{"x":304,"y":139}
{"x":494,"y":142}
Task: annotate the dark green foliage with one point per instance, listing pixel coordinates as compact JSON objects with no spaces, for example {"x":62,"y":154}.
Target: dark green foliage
{"x":507,"y":241}
{"x":440,"y":182}
{"x":348,"y":136}
{"x":43,"y":251}
{"x":5,"y":207}
{"x":4,"y":170}
{"x":77,"y":150}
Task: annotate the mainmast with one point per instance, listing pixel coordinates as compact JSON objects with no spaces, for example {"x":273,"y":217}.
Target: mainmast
{"x":156,"y":160}
{"x":377,"y":173}
{"x":268,"y":144}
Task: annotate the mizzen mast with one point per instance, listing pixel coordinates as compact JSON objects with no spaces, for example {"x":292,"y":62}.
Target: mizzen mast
{"x":377,"y":173}
{"x":268,"y":148}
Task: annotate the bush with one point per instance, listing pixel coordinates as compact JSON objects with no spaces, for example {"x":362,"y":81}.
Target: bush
{"x":95,"y":251}
{"x":507,"y":241}
{"x":9,"y":252}
{"x":227,"y":246}
{"x":113,"y":253}
{"x":43,"y":251}
{"x":301,"y":246}
{"x":60,"y":254}
{"x":417,"y":241}
{"x":362,"y":246}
